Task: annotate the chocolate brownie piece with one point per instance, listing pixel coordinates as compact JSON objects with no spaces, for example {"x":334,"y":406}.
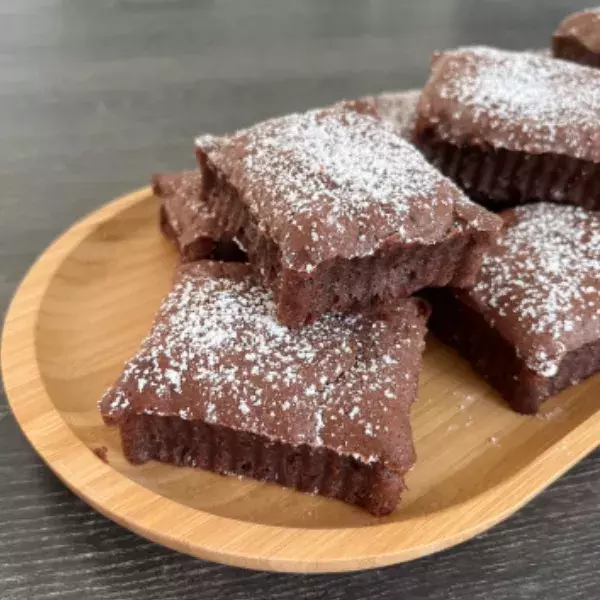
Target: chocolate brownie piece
{"x":577,"y":38}
{"x":510,"y":127}
{"x":219,"y":384}
{"x":531,"y":325}
{"x":339,"y":210}
{"x":187,"y":221}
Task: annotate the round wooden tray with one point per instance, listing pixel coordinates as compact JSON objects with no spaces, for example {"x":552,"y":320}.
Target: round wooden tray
{"x":82,"y":310}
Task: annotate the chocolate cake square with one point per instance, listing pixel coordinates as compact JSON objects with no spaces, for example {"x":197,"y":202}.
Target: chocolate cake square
{"x":577,"y":38}
{"x":219,"y":384}
{"x":186,"y":220}
{"x":531,"y":324}
{"x":510,"y":127}
{"x":339,"y":211}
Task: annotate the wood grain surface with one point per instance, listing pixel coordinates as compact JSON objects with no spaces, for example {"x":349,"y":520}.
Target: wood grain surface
{"x":94,"y":96}
{"x":83,"y":309}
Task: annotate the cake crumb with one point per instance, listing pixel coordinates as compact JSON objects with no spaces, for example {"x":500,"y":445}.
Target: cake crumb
{"x":467,"y":401}
{"x":101,"y":452}
{"x":543,"y":273}
{"x":552,"y":415}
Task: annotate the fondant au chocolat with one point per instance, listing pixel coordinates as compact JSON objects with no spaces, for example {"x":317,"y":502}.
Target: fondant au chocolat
{"x":219,"y":384}
{"x":511,"y":127}
{"x":338,"y":210}
{"x":531,"y":324}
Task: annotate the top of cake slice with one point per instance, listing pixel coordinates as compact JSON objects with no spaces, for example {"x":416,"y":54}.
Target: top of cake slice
{"x":339,"y":183}
{"x":520,"y":101}
{"x":216,"y":353}
{"x":584,"y":26}
{"x":539,"y":286}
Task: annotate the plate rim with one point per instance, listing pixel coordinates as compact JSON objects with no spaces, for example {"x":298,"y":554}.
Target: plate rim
{"x":222,"y":539}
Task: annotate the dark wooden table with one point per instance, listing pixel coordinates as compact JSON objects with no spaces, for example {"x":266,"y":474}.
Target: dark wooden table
{"x":94,"y":96}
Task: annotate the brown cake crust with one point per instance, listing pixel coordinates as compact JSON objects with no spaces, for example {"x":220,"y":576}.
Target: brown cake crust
{"x":511,"y":127}
{"x":338,"y":210}
{"x":499,"y":179}
{"x":531,"y":324}
{"x":189,"y":224}
{"x":219,"y":384}
{"x":186,"y":220}
{"x":577,"y":38}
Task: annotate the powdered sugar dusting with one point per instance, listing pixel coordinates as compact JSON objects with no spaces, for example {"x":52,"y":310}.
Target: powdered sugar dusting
{"x":319,"y":425}
{"x":336,"y":181}
{"x":217,"y":354}
{"x":545,"y":273}
{"x":204,"y":323}
{"x":519,"y":100}
{"x":351,"y":161}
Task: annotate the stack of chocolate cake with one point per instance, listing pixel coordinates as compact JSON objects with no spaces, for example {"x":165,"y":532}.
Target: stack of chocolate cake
{"x":290,"y":345}
{"x":521,"y":130}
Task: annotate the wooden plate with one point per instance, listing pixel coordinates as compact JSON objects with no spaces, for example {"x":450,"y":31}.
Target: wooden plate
{"x":82,"y":310}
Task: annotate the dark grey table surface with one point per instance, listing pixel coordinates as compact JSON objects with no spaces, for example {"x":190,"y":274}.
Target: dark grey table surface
{"x":94,"y":96}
